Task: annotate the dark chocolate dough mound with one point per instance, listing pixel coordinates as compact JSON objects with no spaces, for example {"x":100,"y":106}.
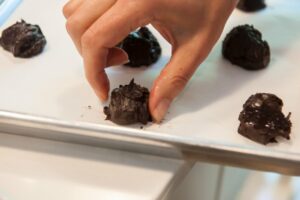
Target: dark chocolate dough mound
{"x":243,"y":46}
{"x":251,"y":5}
{"x":142,"y":48}
{"x":129,"y":105}
{"x":262,"y":119}
{"x":23,"y":40}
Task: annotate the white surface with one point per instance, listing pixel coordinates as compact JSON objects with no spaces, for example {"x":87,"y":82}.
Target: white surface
{"x":261,"y":186}
{"x":201,"y":183}
{"x":39,"y":169}
{"x":231,"y":182}
{"x":53,"y":83}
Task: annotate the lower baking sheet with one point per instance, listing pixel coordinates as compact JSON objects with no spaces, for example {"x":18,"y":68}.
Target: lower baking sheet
{"x":6,"y":8}
{"x":203,"y":116}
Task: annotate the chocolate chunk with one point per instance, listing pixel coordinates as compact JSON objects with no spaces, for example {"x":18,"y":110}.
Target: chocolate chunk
{"x":23,"y":40}
{"x":128,"y":105}
{"x":262,"y":119}
{"x":243,"y":46}
{"x":142,"y":48}
{"x":251,"y":5}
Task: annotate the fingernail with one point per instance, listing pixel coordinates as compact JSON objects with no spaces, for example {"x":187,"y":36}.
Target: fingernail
{"x":125,"y":62}
{"x":161,"y":110}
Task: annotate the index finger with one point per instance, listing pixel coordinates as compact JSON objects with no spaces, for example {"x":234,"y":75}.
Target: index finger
{"x":106,"y":33}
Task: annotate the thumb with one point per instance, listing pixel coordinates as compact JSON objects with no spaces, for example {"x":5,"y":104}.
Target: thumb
{"x":117,"y":56}
{"x":174,"y":77}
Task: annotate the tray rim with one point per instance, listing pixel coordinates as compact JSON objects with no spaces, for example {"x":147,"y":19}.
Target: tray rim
{"x":165,"y":145}
{"x":7,"y":7}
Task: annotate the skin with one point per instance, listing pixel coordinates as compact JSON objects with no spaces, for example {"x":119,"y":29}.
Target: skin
{"x":192,"y":27}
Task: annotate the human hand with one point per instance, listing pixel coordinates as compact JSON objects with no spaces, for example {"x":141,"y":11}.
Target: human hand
{"x":192,"y":27}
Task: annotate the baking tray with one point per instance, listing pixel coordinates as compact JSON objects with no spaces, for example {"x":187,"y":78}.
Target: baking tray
{"x":6,"y":8}
{"x":57,"y":102}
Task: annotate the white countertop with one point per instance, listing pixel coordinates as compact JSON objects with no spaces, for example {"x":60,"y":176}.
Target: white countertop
{"x":32,"y":169}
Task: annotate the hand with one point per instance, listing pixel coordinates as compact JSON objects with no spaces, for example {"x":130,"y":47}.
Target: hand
{"x":192,"y":27}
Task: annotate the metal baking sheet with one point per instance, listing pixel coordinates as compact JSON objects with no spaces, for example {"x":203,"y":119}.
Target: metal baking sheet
{"x":201,"y":124}
{"x":6,"y":8}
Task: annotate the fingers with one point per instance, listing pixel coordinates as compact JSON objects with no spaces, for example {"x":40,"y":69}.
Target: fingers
{"x":174,"y":77}
{"x":86,"y":14}
{"x":71,"y":7}
{"x":105,"y":34}
{"x":164,"y":31}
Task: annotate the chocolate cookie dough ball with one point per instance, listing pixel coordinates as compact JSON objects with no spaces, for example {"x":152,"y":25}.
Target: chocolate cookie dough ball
{"x":251,"y":5}
{"x":23,"y":40}
{"x":262,"y":119}
{"x":243,"y":46}
{"x":142,"y":48}
{"x":128,"y":105}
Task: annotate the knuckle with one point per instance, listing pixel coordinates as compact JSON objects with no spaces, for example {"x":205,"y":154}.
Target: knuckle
{"x":87,"y":39}
{"x":71,"y":25}
{"x":67,"y":10}
{"x":179,"y":81}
